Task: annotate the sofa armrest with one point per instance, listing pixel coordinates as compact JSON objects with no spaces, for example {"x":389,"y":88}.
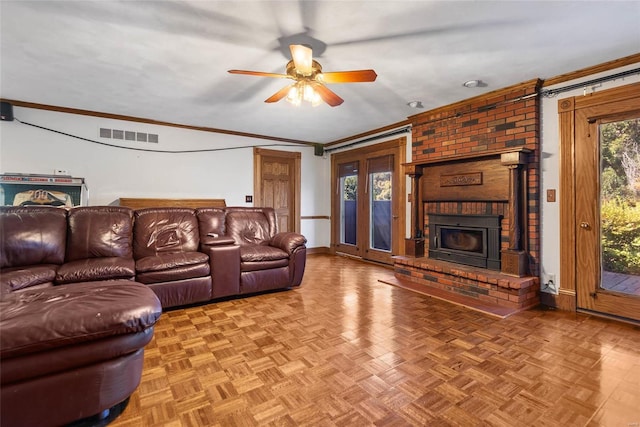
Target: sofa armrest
{"x":224,"y":261}
{"x":288,"y":241}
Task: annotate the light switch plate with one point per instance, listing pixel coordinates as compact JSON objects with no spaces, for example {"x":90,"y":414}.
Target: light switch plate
{"x":551,"y":195}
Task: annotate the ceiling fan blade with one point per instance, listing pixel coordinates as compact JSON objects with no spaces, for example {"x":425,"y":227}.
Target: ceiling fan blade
{"x":327,"y":95}
{"x":258,"y":73}
{"x":355,"y":76}
{"x":279,"y":94}
{"x":302,"y":59}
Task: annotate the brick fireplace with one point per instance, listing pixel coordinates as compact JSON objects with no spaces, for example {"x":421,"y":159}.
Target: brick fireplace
{"x":475,"y":186}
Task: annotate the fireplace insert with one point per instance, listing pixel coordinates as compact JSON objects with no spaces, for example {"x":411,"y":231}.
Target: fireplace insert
{"x":466,"y":239}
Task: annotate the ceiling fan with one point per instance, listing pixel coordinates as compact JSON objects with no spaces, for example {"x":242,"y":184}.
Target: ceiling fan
{"x":309,"y":80}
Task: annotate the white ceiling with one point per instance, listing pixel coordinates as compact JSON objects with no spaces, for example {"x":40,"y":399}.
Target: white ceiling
{"x":168,"y":60}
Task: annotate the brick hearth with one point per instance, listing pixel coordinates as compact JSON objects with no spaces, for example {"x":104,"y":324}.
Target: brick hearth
{"x":486,"y":286}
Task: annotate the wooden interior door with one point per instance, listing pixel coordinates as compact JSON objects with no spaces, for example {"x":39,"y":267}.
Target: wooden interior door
{"x":590,"y":271}
{"x":277,"y":185}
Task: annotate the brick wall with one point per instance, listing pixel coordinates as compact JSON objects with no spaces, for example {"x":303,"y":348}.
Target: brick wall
{"x":507,"y":118}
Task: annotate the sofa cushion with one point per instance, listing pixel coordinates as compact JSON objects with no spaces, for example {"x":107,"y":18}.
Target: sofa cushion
{"x":172,"y":266}
{"x":169,"y":261}
{"x":175,"y":274}
{"x":263,"y":265}
{"x":100,"y":231}
{"x":258,"y":253}
{"x":90,"y":269}
{"x":211,"y":223}
{"x":248,"y":227}
{"x":74,"y":314}
{"x":15,"y":278}
{"x":164,"y":230}
{"x":32,"y":235}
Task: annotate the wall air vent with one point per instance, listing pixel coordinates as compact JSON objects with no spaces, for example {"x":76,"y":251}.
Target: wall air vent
{"x":128,"y":135}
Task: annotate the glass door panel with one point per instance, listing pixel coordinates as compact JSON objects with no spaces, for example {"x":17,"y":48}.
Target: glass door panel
{"x":349,"y":209}
{"x":380,"y":211}
{"x":347,"y":200}
{"x":620,"y":206}
{"x":380,"y":208}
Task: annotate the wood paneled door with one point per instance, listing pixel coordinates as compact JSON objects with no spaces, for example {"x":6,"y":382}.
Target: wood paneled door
{"x":600,"y":199}
{"x":277,"y":185}
{"x":367,"y":215}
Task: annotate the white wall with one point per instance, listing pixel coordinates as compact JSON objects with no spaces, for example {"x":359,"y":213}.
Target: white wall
{"x":550,"y":164}
{"x":112,"y":172}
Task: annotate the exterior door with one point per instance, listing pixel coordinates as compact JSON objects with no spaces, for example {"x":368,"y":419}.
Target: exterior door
{"x":607,"y":200}
{"x":277,"y":184}
{"x":366,"y":219}
{"x":380,"y":192}
{"x":347,"y":206}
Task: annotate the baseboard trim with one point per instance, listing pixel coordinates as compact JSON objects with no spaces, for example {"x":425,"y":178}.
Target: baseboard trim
{"x":318,"y":250}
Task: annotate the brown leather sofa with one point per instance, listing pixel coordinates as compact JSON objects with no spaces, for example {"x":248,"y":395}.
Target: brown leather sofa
{"x":184,"y":255}
{"x":75,"y":350}
{"x":72,"y":352}
{"x":81,"y":290}
{"x":166,"y":243}
{"x":247,"y":253}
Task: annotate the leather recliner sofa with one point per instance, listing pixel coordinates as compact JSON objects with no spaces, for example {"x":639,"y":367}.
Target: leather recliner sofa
{"x":75,"y":350}
{"x":81,"y":290}
{"x":184,"y":255}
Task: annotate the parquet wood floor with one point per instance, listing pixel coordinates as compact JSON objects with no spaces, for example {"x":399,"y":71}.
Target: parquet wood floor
{"x":347,"y":350}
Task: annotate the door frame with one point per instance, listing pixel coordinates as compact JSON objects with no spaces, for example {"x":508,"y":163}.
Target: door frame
{"x":258,"y":154}
{"x":397,"y":147}
{"x":575,"y":112}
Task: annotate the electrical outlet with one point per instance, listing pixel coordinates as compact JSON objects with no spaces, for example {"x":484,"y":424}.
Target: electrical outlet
{"x":549,"y":282}
{"x":60,"y":172}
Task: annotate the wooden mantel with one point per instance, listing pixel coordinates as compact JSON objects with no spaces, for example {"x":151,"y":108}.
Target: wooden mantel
{"x":461,"y":157}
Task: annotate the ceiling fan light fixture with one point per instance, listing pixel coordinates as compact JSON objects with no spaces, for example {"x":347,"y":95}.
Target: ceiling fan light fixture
{"x":302,"y":91}
{"x":294,"y":96}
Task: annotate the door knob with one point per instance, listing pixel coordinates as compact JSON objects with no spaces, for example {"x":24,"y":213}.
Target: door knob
{"x":585,"y":225}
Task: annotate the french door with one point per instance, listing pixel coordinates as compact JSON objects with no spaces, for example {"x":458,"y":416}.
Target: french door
{"x":607,"y":203}
{"x":366,"y":219}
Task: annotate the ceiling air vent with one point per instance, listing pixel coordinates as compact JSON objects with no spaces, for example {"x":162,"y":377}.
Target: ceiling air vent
{"x":128,"y":135}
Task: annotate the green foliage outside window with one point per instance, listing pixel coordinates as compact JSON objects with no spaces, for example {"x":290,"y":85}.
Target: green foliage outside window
{"x":350,"y":187}
{"x":382,"y":186}
{"x":620,"y":236}
{"x":620,"y":196}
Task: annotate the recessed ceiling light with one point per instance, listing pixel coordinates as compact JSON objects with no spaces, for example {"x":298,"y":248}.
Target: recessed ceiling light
{"x":474,"y":83}
{"x":415,"y":104}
